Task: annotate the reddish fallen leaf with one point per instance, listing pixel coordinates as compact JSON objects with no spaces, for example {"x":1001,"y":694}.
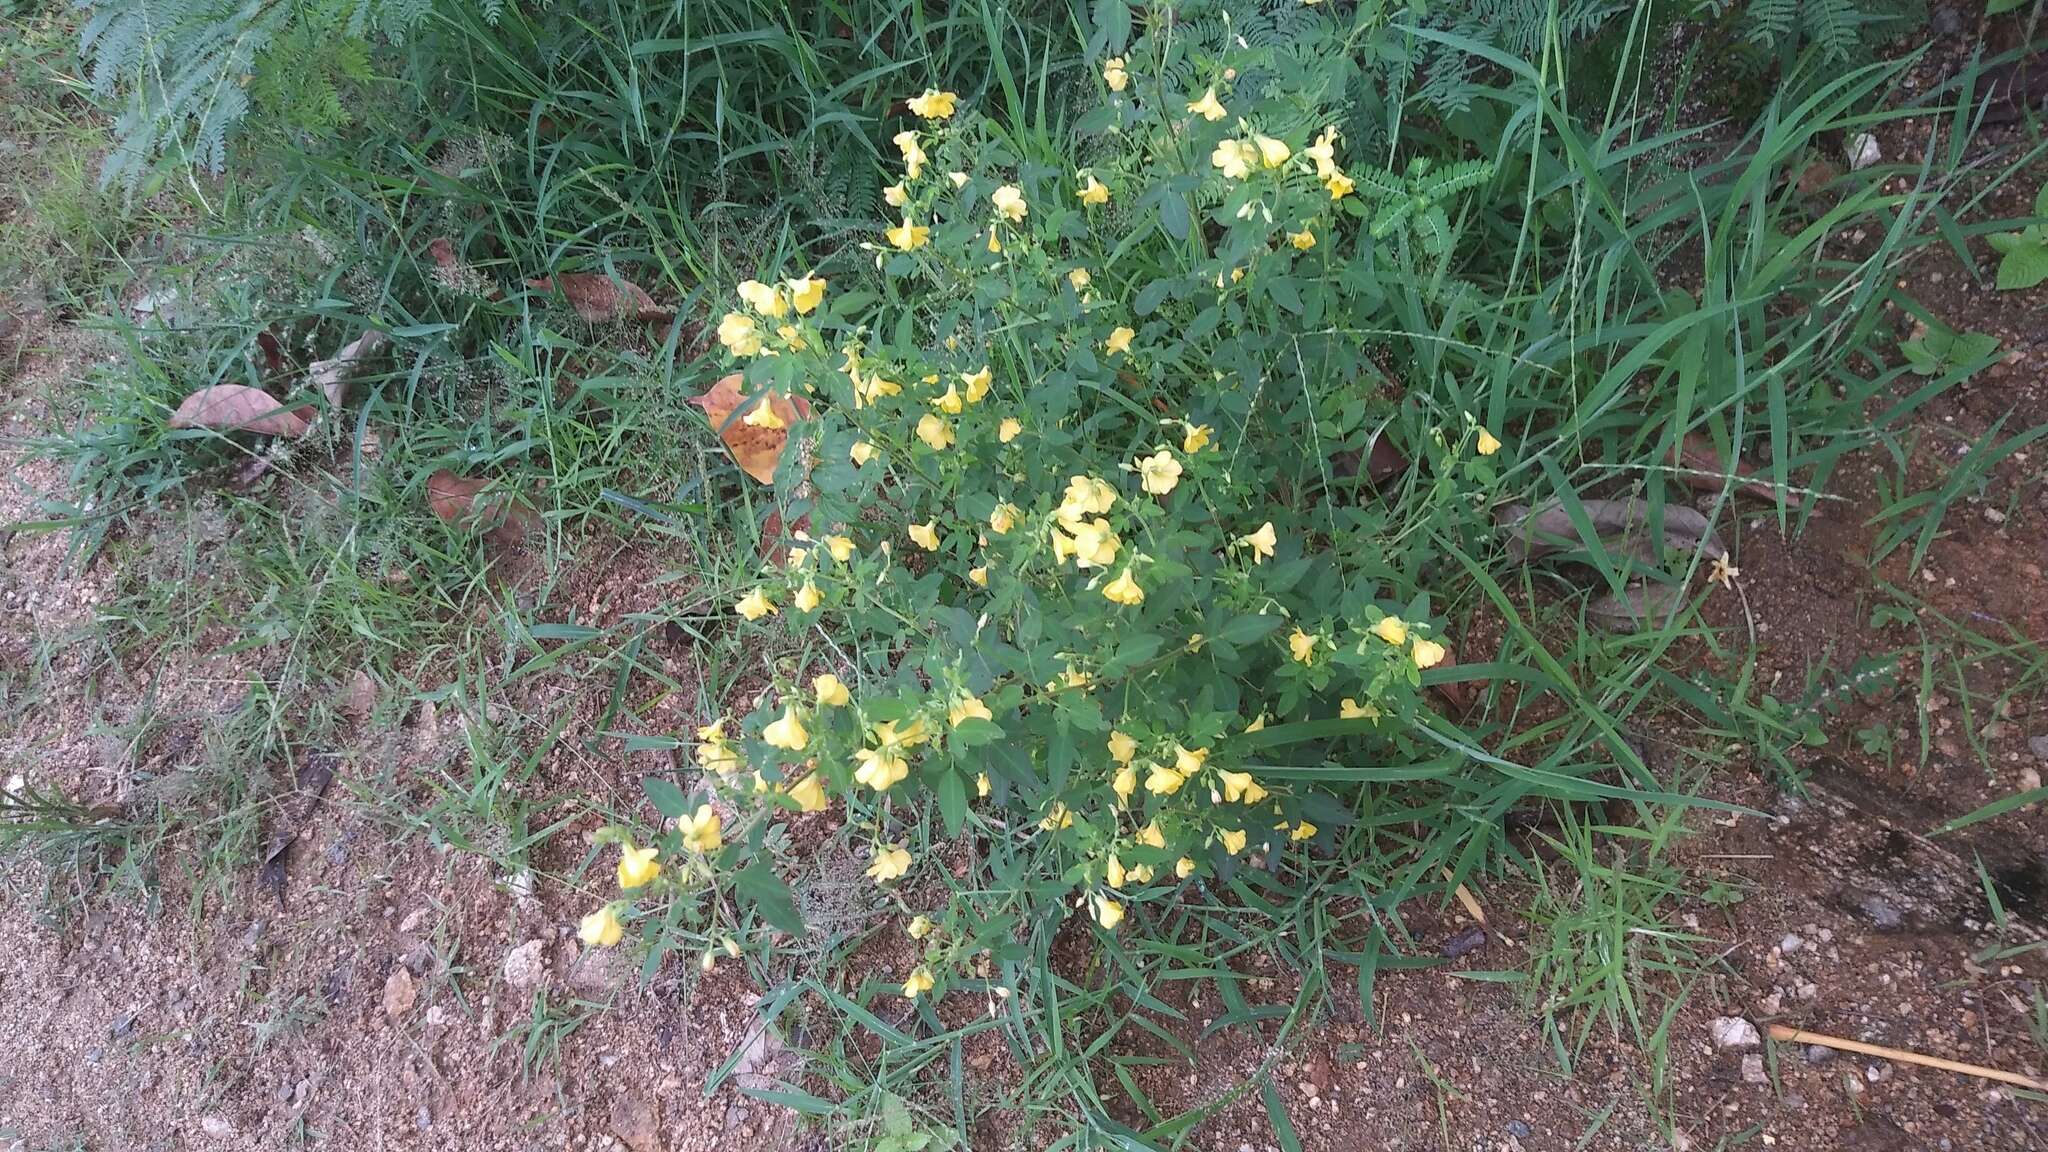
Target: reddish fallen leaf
{"x":332,"y":376}
{"x":1382,"y":463}
{"x":238,"y":407}
{"x":775,"y":541}
{"x":599,"y":298}
{"x":274,"y":361}
{"x":1460,"y":695}
{"x":754,"y":448}
{"x":461,"y":500}
{"x":1699,"y":466}
{"x":442,"y":253}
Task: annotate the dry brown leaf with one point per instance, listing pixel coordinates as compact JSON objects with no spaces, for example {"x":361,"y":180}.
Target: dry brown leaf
{"x":238,"y":407}
{"x":599,"y":298}
{"x":455,"y":499}
{"x":1699,"y":466}
{"x":755,"y":449}
{"x":332,"y":376}
{"x":1459,"y":694}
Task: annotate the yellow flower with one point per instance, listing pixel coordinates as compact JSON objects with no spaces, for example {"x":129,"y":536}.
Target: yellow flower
{"x":1160,"y":472}
{"x":1233,"y":840}
{"x":979,"y":576}
{"x":1113,"y":74}
{"x":1086,"y":496}
{"x":737,"y":332}
{"x":1121,"y":747}
{"x":995,"y":243}
{"x":1009,"y":429}
{"x":809,"y":793}
{"x":1427,"y":653}
{"x":1351,"y":709}
{"x":1234,"y":157}
{"x":1302,"y":240}
{"x":911,"y":736}
{"x":913,"y":152}
{"x":959,"y":179}
{"x":1114,"y":873}
{"x":1003,"y":519}
{"x":1108,"y":912}
{"x":982,"y":785}
{"x":1339,"y":185}
{"x":1163,"y":781}
{"x":755,"y":605}
{"x":1076,"y":678}
{"x":862,"y":452}
{"x":1093,"y":544}
{"x":840,"y":547}
{"x":1196,"y":439}
{"x":792,"y":336}
{"x":1301,"y":646}
{"x":807,"y":598}
{"x":1188,"y":761}
{"x":1058,"y":818}
{"x":1119,"y":340}
{"x":1139,"y":873}
{"x":934,"y":104}
{"x":637,"y":868}
{"x":601,"y":929}
{"x":763,"y":415}
{"x":786,"y":732}
{"x":1392,"y":630}
{"x":699,"y":830}
{"x":919,"y":927}
{"x":889,"y":864}
{"x":1262,"y":542}
{"x":1272,"y":153}
{"x":949,"y":401}
{"x":880,"y":768}
{"x":1151,"y":837}
{"x":1302,"y":831}
{"x":1093,"y":192}
{"x":1124,"y":590}
{"x":762,"y":298}
{"x":1079,"y":278}
{"x":895,"y":196}
{"x":874,"y":388}
{"x":967,"y":708}
{"x":977,"y":383}
{"x":1208,"y":107}
{"x":1009,"y":202}
{"x":1184,"y":868}
{"x":1239,"y":787}
{"x":918,"y":983}
{"x":806,"y":294}
{"x":1488,"y":443}
{"x":1124,"y":782}
{"x":1324,"y":153}
{"x":831,"y":691}
{"x":935,"y":432}
{"x":908,"y":236}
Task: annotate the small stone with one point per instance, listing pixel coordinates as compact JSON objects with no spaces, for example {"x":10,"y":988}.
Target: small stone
{"x":1733,"y":1032}
{"x":1864,"y":152}
{"x":217,"y":1127}
{"x":423,"y":1118}
{"x":1818,"y":1054}
{"x":2038,"y":745}
{"x":1790,"y":944}
{"x":1519,"y":1130}
{"x":400,"y":993}
{"x":636,"y":1121}
{"x":1753,"y":1069}
{"x":413,"y":921}
{"x":1880,"y":911}
{"x":525,"y":966}
{"x":1945,"y":22}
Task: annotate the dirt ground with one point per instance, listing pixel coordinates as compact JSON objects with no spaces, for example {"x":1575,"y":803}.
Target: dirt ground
{"x":380,"y":1006}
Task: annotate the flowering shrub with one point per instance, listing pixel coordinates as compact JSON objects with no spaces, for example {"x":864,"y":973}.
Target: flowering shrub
{"x":1079,"y":502}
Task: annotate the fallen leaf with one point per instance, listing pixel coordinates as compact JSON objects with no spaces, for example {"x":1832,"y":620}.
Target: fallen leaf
{"x":1699,"y":466}
{"x":1622,"y":525}
{"x":599,"y":298}
{"x":238,"y":407}
{"x":332,"y":376}
{"x":274,"y":360}
{"x":1637,"y":605}
{"x":454,"y":499}
{"x":756,"y":450}
{"x":1460,"y":695}
{"x":1815,"y":177}
{"x":315,"y":773}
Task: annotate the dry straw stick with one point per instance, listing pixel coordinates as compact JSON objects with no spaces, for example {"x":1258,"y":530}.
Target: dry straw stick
{"x":1781,"y":1033}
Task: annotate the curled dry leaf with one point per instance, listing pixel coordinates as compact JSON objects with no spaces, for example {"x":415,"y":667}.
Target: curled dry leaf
{"x":332,"y":376}
{"x":1622,"y":525}
{"x":756,"y":449}
{"x":599,"y":298}
{"x":1460,"y":695}
{"x":238,"y":407}
{"x":1638,"y":604}
{"x":1699,"y":466}
{"x":504,"y":517}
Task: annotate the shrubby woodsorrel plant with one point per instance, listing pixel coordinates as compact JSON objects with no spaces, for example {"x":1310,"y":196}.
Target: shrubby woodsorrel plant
{"x":1054,"y":490}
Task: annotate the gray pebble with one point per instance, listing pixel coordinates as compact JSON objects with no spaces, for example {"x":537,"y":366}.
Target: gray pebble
{"x":1519,"y":1130}
{"x":1945,"y":22}
{"x":1819,"y":1054}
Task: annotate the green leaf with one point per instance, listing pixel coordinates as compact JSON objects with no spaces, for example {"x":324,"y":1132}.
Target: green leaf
{"x":1998,"y":7}
{"x":1112,"y":28}
{"x":668,"y":799}
{"x":952,"y":796}
{"x":1284,"y":293}
{"x":1943,"y":350}
{"x":974,"y":732}
{"x":1151,"y":296}
{"x":759,"y":886}
{"x":2024,"y":264}
{"x":1246,"y":629}
{"x":1173,"y":214}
